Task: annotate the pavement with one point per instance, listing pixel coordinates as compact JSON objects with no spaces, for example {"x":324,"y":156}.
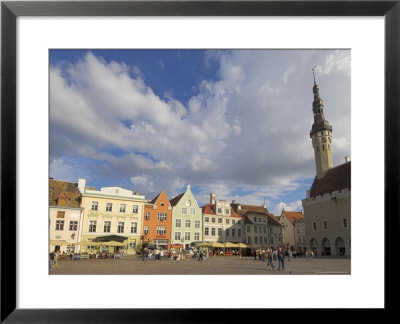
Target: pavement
{"x":220,"y":265}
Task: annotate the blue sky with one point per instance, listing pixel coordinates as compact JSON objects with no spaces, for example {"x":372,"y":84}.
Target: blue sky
{"x":236,"y":122}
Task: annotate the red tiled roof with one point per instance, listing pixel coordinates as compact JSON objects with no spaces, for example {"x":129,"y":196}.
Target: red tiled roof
{"x":209,"y":209}
{"x":59,"y":188}
{"x":293,"y":216}
{"x":247,"y":210}
{"x":176,"y":199}
{"x":337,"y":178}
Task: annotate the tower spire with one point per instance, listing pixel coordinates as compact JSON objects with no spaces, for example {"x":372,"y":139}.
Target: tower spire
{"x":321,"y":133}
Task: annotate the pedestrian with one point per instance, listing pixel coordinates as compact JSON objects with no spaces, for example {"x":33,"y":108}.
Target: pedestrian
{"x":200,"y":256}
{"x":311,"y":255}
{"x":255,"y":255}
{"x":290,"y":255}
{"x":161,"y":254}
{"x":270,"y":259}
{"x":306,"y":253}
{"x":143,"y":254}
{"x":51,"y":260}
{"x":263,"y":255}
{"x":56,"y":259}
{"x":281,"y":259}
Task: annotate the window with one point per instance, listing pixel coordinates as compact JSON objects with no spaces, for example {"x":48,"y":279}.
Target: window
{"x":177,"y":223}
{"x":187,"y":236}
{"x":248,"y":239}
{"x":192,"y":211}
{"x":206,"y":219}
{"x":177,"y":236}
{"x":120,"y":228}
{"x":233,"y":222}
{"x":255,"y":219}
{"x":184,"y":211}
{"x":315,"y":226}
{"x":108,"y":207}
{"x":197,"y":224}
{"x":248,"y":229}
{"x":256,"y":240}
{"x":205,"y":230}
{"x":107,"y":226}
{"x":344,"y":222}
{"x":227,"y":232}
{"x":162,"y":216}
{"x":220,"y":220}
{"x":323,"y":147}
{"x":227,"y":221}
{"x":161,"y":230}
{"x":59,"y":225}
{"x":188,"y":203}
{"x":265,"y":239}
{"x":73,"y":225}
{"x":60,"y":214}
{"x":213,"y":231}
{"x":147,"y":215}
{"x":325,"y":224}
{"x":132,"y":244}
{"x":122,"y":208}
{"x":95,"y":205}
{"x":162,"y":204}
{"x":92,"y":226}
{"x":197,"y":236}
{"x":226,"y":211}
{"x":239,"y":232}
{"x":219,"y":231}
{"x":187,"y":223}
{"x":265,"y":229}
{"x":219,"y":210}
{"x":213,"y":220}
{"x":233,"y":232}
{"x":133,"y":227}
{"x":255,"y":229}
{"x":135,"y":209}
{"x":146,"y":230}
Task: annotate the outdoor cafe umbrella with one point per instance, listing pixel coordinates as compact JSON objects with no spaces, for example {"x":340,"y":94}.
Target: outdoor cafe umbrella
{"x":113,"y":243}
{"x":204,"y":244}
{"x":230,"y":245}
{"x":241,"y":245}
{"x":217,"y":245}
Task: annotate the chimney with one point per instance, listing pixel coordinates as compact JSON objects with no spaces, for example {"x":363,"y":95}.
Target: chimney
{"x":233,"y":201}
{"x":81,"y":185}
{"x":346,"y":159}
{"x":137,"y":193}
{"x":212,"y":198}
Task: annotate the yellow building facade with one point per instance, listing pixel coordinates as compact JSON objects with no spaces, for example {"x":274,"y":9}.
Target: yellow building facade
{"x":111,"y":214}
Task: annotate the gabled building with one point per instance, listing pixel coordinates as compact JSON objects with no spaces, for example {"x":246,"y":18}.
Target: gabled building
{"x":186,"y":220}
{"x":157,"y":222}
{"x":327,"y":208}
{"x":260,"y":228}
{"x":221,"y":223}
{"x":65,"y":216}
{"x":287,"y":220}
{"x":112,"y":214}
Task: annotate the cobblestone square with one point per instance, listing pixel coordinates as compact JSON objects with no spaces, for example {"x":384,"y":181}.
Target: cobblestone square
{"x":222,"y":265}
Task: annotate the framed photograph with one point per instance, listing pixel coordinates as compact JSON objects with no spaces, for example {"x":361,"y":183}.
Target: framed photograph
{"x":47,"y":46}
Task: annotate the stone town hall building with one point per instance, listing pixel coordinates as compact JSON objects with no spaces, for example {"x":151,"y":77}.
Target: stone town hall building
{"x":328,"y":204}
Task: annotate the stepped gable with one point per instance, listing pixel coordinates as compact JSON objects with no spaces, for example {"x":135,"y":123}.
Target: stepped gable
{"x":335,"y":179}
{"x":64,"y":189}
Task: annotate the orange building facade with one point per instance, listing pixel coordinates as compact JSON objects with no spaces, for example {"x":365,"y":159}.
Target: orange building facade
{"x":157,"y":219}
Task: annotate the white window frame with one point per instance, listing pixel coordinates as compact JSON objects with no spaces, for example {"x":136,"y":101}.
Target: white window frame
{"x":109,"y":207}
{"x":135,"y":209}
{"x":95,"y":206}
{"x":60,"y":224}
{"x":123,"y":209}
{"x":104,"y":226}
{"x":180,"y":222}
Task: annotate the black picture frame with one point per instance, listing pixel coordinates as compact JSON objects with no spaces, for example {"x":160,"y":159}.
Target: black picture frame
{"x":10,"y":10}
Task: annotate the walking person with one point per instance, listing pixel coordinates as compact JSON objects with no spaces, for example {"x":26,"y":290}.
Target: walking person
{"x":270,"y":259}
{"x":306,"y":253}
{"x":311,"y":255}
{"x":56,"y":259}
{"x":263,"y":255}
{"x":51,"y":260}
{"x":281,"y":259}
{"x":255,"y":255}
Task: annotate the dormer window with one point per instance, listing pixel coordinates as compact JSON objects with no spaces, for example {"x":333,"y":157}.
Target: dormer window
{"x":187,"y":203}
